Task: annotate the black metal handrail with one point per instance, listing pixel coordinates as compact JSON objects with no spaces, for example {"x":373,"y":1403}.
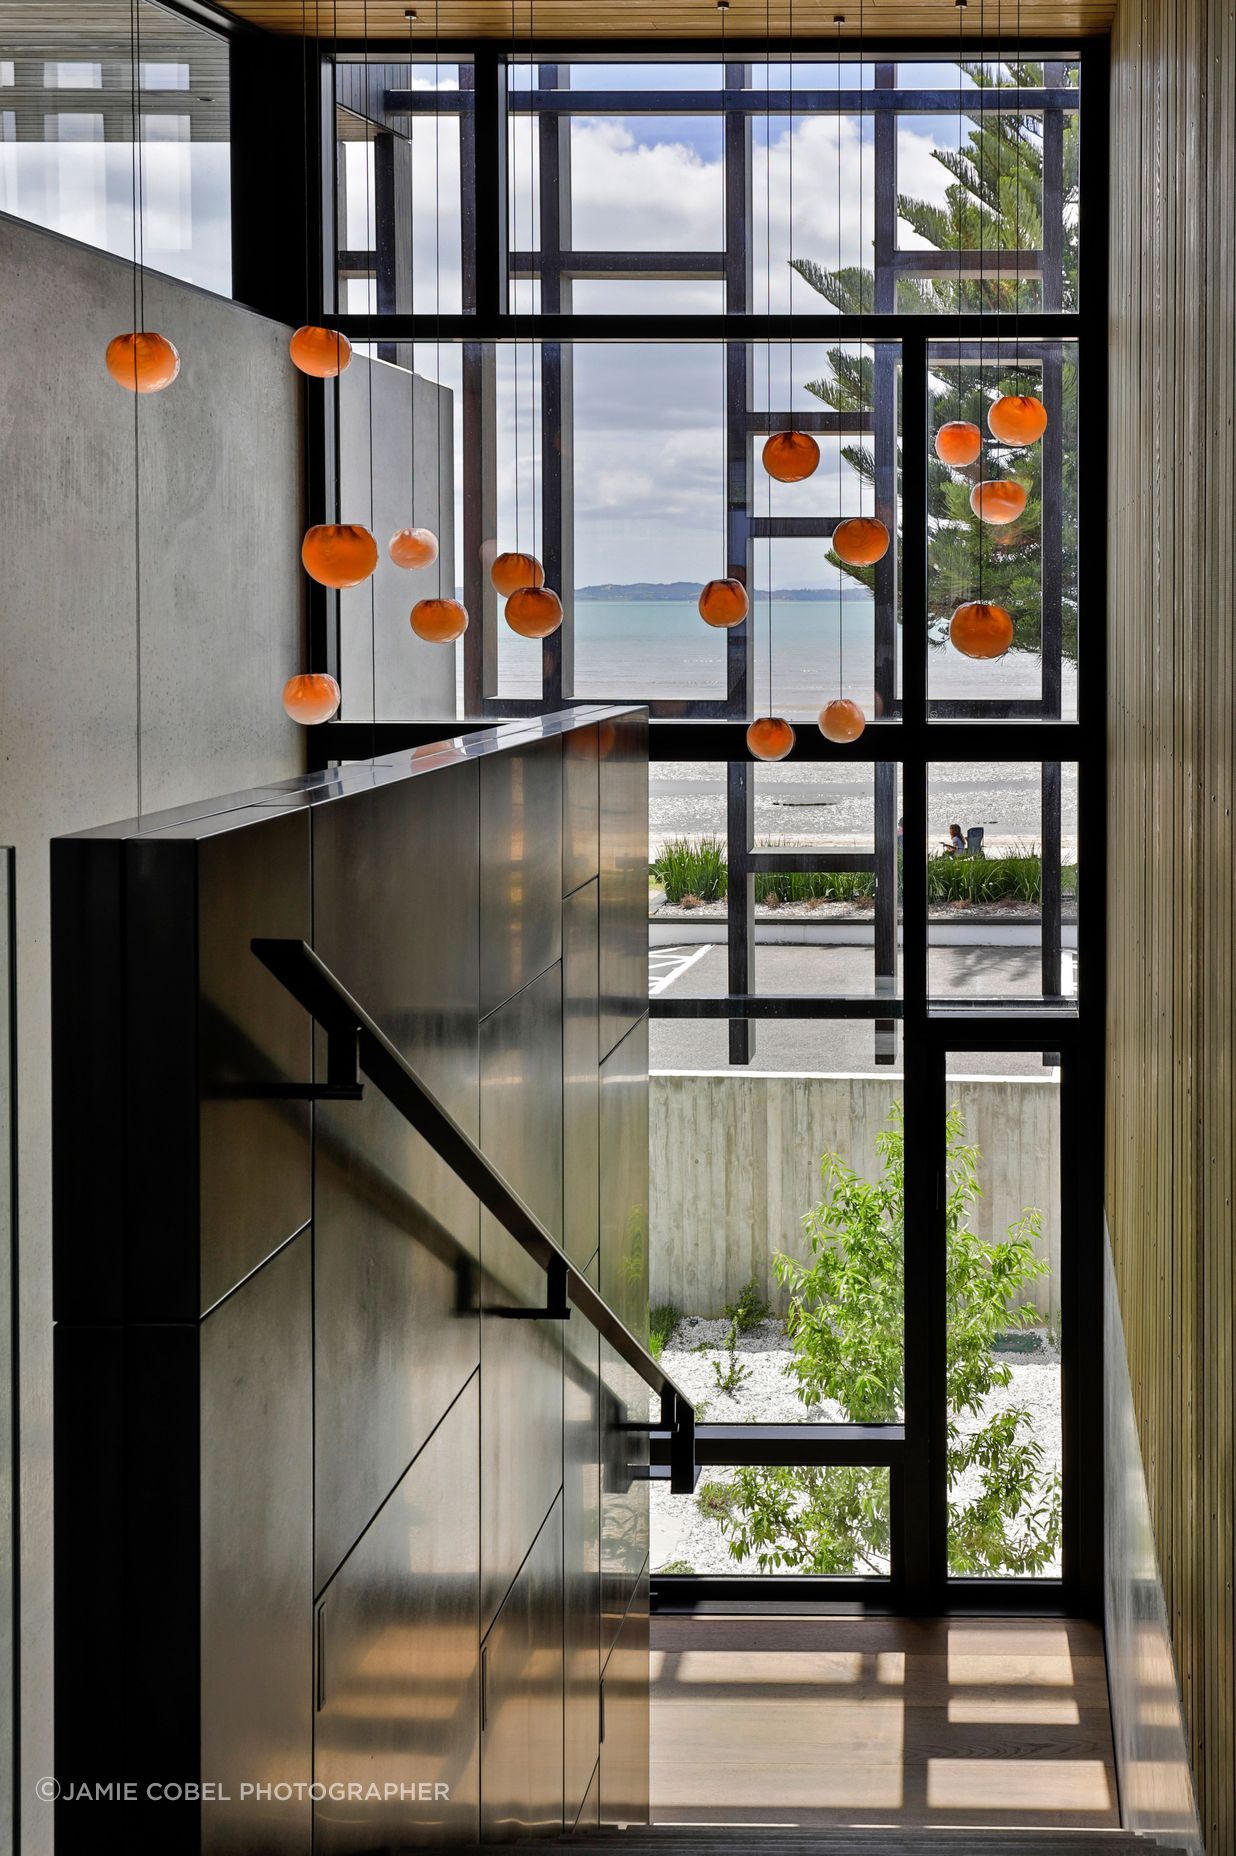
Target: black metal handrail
{"x":354,"y":1043}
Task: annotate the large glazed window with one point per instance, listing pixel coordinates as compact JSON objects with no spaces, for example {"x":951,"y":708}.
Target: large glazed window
{"x":1005,"y":1322}
{"x":835,"y":973}
{"x":67,"y":144}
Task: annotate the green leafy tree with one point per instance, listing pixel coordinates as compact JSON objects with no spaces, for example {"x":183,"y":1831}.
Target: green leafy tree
{"x":994,"y":203}
{"x":846,"y":1330}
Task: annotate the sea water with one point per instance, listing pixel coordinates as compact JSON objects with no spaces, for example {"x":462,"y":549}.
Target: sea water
{"x":632,"y":650}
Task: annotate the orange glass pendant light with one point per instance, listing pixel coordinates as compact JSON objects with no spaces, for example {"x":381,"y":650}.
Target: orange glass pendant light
{"x":860,"y":541}
{"x":533,"y":611}
{"x":789,"y":457}
{"x":724,"y":603}
{"x":311,"y":699}
{"x":512,"y":572}
{"x":339,"y":554}
{"x":438,"y":621}
{"x":1017,"y":419}
{"x":978,"y":629}
{"x":958,"y":443}
{"x":413,"y":547}
{"x":321,"y":353}
{"x":143,"y":362}
{"x":770,"y":738}
{"x":841,"y":720}
{"x":998,"y":500}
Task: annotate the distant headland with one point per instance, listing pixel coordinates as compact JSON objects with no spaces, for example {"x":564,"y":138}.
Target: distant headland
{"x":655,"y":592}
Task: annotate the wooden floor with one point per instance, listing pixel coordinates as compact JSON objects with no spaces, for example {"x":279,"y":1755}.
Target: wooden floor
{"x":814,"y":1721}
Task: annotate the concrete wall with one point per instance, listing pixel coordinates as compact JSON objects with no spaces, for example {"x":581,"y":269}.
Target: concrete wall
{"x":736,"y":1162}
{"x":219,"y":459}
{"x":409,"y":486}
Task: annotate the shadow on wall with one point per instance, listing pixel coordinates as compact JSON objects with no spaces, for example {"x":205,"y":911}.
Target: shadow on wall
{"x":735,"y":1163}
{"x":1152,"y":1761}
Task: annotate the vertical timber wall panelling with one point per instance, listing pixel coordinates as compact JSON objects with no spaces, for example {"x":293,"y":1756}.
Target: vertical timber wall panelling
{"x":323,"y":1511}
{"x":1170,"y":1029}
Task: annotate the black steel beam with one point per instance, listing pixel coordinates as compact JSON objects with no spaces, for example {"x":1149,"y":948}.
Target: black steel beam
{"x":672,"y":737}
{"x":718,"y":1445}
{"x":747,"y":102}
{"x":674,"y":264}
{"x":662,"y":327}
{"x":1051,"y":889}
{"x":740,"y":911}
{"x":740,"y":1008}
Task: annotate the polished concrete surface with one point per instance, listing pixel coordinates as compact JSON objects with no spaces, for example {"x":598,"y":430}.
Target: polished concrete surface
{"x":880,"y":1721}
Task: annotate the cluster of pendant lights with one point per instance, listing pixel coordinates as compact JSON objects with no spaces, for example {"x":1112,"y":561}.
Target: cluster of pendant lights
{"x":978,"y":628}
{"x":858,"y":541}
{"x":340,"y":555}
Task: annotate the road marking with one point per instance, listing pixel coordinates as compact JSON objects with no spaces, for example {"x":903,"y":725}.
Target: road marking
{"x":673,"y":962}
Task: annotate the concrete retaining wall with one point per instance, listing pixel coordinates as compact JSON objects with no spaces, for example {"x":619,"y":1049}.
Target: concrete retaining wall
{"x":736,"y":1163}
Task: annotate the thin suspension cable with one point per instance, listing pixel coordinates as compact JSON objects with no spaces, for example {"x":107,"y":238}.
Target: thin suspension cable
{"x":304,"y":98}
{"x":790,"y":229}
{"x":723,"y":8}
{"x":860,"y":272}
{"x":839,"y":21}
{"x":959,"y":218}
{"x":982,"y":286}
{"x":338,"y":379}
{"x":370,"y":362}
{"x":997,"y":216}
{"x":513,"y":282}
{"x":437,"y":286}
{"x":768,"y":545}
{"x":139,"y":327}
{"x":534,"y":350}
{"x":411,"y":19}
{"x":1017,"y":214}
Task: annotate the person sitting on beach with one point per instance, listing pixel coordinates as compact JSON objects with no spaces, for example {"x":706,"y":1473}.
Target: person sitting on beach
{"x":956,"y":845}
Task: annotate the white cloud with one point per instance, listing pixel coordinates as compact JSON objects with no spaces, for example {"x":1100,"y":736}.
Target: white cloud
{"x":648,"y":467}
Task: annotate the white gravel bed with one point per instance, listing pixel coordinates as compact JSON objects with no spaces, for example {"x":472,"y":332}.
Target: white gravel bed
{"x":681,"y":1531}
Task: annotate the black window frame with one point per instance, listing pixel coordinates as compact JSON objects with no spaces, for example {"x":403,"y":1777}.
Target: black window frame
{"x":908,"y":738}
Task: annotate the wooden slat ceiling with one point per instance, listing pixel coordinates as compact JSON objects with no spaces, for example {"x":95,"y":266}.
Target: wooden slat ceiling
{"x":654,"y":21}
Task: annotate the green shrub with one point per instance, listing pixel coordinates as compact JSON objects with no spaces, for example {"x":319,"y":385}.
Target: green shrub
{"x":698,"y":869}
{"x":749,"y":1310}
{"x":733,"y":1376}
{"x":696,"y":872}
{"x":676,"y":1566}
{"x":1014,"y":876}
{"x":814,"y":885}
{"x":715,"y":1499}
{"x":845,"y":1326}
{"x":662,"y":1320}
